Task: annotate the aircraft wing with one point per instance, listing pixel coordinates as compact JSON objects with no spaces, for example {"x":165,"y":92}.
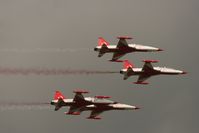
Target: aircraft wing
{"x":75,"y":110}
{"x":122,"y":41}
{"x":148,"y":66}
{"x":95,"y":113}
{"x":122,"y":46}
{"x":142,"y":78}
{"x":79,"y":98}
{"x":117,"y":55}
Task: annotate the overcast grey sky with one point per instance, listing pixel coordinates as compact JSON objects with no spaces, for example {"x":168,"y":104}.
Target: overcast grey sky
{"x":32,"y":32}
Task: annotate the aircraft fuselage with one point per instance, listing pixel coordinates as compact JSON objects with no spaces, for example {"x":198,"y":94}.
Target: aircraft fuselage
{"x":154,"y":71}
{"x":129,"y":49}
{"x":94,"y":103}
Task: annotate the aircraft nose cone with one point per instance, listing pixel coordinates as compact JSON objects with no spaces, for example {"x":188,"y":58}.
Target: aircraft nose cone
{"x":184,"y":72}
{"x":160,"y":49}
{"x":137,"y":108}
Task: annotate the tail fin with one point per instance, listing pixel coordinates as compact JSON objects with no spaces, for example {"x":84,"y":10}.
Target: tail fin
{"x":58,"y":95}
{"x":102,"y":41}
{"x":129,"y":72}
{"x":60,"y":100}
{"x":127,"y":64}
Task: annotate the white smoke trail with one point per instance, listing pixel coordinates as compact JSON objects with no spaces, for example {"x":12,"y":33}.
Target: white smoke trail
{"x":46,"y":72}
{"x":50,"y":50}
{"x":24,"y":106}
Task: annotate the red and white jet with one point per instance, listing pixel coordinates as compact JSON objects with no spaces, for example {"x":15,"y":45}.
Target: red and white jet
{"x":121,"y":48}
{"x":147,"y":71}
{"x":96,"y":105}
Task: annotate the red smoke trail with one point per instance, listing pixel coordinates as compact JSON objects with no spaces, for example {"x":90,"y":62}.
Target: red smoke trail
{"x":45,"y":71}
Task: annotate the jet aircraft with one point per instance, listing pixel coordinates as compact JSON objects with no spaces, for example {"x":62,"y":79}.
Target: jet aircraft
{"x":146,"y":71}
{"x":121,"y":48}
{"x":96,"y":105}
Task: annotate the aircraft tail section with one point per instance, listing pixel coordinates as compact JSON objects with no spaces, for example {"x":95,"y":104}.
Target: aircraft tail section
{"x":59,"y":98}
{"x":127,"y":64}
{"x":58,"y":95}
{"x":102,"y":41}
{"x":103,"y":44}
{"x":129,"y":71}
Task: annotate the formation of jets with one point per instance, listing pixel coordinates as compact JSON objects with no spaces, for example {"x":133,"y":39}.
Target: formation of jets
{"x":99,"y":104}
{"x":96,"y":105}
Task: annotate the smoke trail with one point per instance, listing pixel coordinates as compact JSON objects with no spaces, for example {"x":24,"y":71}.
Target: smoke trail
{"x":51,"y":50}
{"x":45,"y":71}
{"x":24,"y":106}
